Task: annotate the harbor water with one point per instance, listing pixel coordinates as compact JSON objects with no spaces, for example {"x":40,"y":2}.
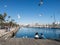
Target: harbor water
{"x":49,"y":33}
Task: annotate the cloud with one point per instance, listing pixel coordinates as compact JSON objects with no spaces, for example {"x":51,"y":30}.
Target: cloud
{"x":18,"y":16}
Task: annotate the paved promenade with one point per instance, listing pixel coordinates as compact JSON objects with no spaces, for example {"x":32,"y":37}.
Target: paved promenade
{"x":27,"y":41}
{"x":9,"y":34}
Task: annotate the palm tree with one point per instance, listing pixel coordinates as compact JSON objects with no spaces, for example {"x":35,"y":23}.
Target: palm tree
{"x":4,"y":15}
{"x":2,"y":18}
{"x":9,"y":18}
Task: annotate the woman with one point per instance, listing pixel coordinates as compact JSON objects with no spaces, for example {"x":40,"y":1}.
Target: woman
{"x":36,"y":35}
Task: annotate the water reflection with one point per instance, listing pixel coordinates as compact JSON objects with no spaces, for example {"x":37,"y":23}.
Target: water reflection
{"x":30,"y":33}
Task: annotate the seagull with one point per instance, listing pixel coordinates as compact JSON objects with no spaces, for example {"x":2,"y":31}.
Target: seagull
{"x":5,"y":6}
{"x":18,"y":16}
{"x":41,"y":2}
{"x":40,"y":14}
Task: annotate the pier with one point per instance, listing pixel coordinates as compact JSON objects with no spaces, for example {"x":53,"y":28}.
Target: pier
{"x":28,"y":41}
{"x":10,"y":33}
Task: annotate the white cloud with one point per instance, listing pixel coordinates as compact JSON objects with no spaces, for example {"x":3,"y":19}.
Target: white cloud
{"x":18,"y":16}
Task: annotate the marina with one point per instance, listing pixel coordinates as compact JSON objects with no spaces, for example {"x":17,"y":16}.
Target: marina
{"x":29,"y":22}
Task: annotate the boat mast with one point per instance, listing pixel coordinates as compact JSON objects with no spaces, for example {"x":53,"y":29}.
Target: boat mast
{"x":54,"y":18}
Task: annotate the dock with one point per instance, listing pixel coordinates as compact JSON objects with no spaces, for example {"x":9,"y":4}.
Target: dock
{"x":28,"y":41}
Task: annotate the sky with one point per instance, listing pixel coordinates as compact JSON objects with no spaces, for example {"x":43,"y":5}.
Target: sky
{"x":28,"y":11}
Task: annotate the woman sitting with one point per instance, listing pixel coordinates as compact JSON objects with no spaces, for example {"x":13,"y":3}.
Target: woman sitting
{"x":36,"y":35}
